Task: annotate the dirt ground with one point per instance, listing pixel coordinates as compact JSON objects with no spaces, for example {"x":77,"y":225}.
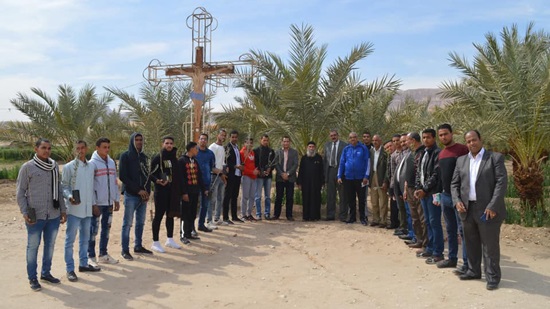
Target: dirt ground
{"x":275,"y":264}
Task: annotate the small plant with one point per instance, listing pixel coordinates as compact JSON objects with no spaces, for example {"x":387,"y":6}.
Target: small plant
{"x":513,"y":214}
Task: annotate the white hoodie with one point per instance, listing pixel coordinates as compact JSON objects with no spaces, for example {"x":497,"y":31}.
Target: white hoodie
{"x":106,"y":190}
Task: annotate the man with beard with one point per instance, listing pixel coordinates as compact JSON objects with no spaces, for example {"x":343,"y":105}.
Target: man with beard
{"x":207,"y":163}
{"x":379,"y":185}
{"x":310,"y":181}
{"x":190,"y":189}
{"x":166,"y":196}
{"x":287,"y":164}
{"x":233,"y":170}
{"x":395,"y":158}
{"x":134,"y":174}
{"x":331,"y":162}
{"x":265,"y":160}
{"x":219,"y":180}
{"x":447,"y":164}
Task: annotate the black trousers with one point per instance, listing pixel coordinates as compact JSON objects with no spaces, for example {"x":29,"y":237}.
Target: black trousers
{"x":281,"y":188}
{"x":230,"y":196}
{"x":482,"y":241}
{"x":394,"y":212}
{"x":162,"y":206}
{"x":188,"y":214}
{"x":353,"y":189}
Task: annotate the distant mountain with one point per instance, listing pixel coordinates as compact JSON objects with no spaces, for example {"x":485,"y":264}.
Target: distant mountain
{"x":419,"y":95}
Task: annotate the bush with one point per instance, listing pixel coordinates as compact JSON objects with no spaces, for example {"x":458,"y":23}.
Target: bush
{"x":20,"y":154}
{"x":10,"y":173}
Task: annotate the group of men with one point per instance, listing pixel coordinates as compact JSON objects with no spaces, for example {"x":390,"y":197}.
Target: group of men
{"x":464,"y":183}
{"x":418,"y":179}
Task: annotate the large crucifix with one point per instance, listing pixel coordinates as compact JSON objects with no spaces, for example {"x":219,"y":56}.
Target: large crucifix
{"x":199,"y":72}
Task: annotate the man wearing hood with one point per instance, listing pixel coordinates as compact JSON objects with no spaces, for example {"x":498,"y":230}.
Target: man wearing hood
{"x":134,"y":174}
{"x":166,"y":197}
{"x":105,"y":196}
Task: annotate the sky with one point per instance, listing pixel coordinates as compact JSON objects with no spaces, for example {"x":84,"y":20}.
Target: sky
{"x":44,"y":44}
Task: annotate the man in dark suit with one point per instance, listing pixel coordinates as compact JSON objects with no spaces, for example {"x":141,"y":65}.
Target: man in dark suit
{"x":379,"y":183}
{"x":478,"y":188}
{"x":287,"y":165}
{"x":331,"y":161}
{"x":234,"y":172}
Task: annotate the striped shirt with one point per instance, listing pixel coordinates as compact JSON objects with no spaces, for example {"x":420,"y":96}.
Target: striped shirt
{"x":34,"y":189}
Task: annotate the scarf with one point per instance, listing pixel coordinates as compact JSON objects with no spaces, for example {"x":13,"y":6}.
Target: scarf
{"x":51,"y":167}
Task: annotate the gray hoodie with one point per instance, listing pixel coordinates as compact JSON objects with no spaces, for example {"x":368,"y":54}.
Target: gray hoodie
{"x":105,"y":182}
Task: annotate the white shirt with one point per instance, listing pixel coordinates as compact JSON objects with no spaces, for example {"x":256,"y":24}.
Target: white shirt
{"x":474,"y":169}
{"x":219,"y":153}
{"x":78,"y":175}
{"x":376,"y":156}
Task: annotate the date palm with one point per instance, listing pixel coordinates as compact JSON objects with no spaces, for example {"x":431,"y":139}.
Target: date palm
{"x":303,"y":98}
{"x":69,"y":117}
{"x":509,"y":80}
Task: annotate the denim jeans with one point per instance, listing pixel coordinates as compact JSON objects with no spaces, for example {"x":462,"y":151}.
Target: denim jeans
{"x":205,"y":209}
{"x":265,"y":184}
{"x":216,"y":198}
{"x":432,"y":215}
{"x":409,"y":221}
{"x":454,"y":226}
{"x":133,"y":204}
{"x":82,"y":225}
{"x":48,"y":230}
{"x":106,"y":217}
{"x":247,"y":199}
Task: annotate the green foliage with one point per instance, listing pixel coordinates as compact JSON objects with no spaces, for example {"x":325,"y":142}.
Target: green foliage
{"x":305,"y":98}
{"x":513,"y":214}
{"x":160,"y":111}
{"x":298,"y":197}
{"x":63,"y":120}
{"x":19,"y":154}
{"x":10,"y":173}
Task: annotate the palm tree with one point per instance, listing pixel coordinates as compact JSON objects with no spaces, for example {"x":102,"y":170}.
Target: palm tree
{"x":69,"y":117}
{"x":160,"y":111}
{"x":509,"y":80}
{"x":302,"y":98}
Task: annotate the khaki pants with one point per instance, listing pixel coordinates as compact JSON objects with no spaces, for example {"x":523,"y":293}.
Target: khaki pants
{"x":379,"y":201}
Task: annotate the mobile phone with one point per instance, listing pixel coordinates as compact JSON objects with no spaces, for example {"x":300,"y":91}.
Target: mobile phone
{"x":76,"y":196}
{"x":483,"y":217}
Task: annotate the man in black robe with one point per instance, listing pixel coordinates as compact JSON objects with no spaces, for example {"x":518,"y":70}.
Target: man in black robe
{"x":310,"y":181}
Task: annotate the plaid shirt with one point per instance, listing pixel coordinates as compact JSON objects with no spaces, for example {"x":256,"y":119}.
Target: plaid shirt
{"x":34,"y":189}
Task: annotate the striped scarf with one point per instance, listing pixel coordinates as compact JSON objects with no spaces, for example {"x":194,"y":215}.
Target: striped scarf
{"x":51,"y":167}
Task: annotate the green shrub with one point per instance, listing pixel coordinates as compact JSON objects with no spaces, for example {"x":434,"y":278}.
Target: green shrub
{"x":513,"y":214}
{"x":10,"y":173}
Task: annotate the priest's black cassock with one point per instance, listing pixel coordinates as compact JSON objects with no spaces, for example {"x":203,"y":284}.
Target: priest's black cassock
{"x":311,"y":178}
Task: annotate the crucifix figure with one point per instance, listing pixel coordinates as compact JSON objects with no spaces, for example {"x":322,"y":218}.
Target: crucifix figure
{"x":199,"y":72}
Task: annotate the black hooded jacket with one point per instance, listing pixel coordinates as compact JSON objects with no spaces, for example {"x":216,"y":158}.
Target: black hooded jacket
{"x":134,"y":169}
{"x":166,"y":162}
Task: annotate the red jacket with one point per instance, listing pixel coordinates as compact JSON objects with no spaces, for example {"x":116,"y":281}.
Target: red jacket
{"x":248,"y":163}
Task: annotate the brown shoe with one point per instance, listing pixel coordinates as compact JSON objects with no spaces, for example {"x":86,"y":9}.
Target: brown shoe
{"x":415,"y":246}
{"x":382,"y":226}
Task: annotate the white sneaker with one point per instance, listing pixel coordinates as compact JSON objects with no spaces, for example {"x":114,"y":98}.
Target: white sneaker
{"x":93,"y":261}
{"x":211,"y":226}
{"x":172,"y":244}
{"x":107,"y":259}
{"x":157,"y":247}
{"x":220,"y":222}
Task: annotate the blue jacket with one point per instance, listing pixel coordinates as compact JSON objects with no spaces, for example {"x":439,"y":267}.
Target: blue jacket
{"x":207,"y":161}
{"x":134,"y":169}
{"x":354,"y":162}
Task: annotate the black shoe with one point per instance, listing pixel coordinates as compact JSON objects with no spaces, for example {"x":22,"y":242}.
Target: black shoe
{"x":405,"y":237}
{"x":364,"y":222}
{"x":410,"y":242}
{"x":88,"y":268}
{"x":185,"y":241}
{"x":424,"y":254}
{"x":446,"y":263}
{"x":399,"y":232}
{"x":72,"y":276}
{"x":290,"y":218}
{"x":350,"y":221}
{"x":329,"y":219}
{"x":391,"y":227}
{"x":196,"y":237}
{"x":460,"y":271}
{"x":238,"y":220}
{"x":469,"y":276}
{"x":492,"y":286}
{"x":229,"y":222}
{"x":275,"y":218}
{"x":383,"y":226}
{"x":127,"y":256}
{"x":35,"y":286}
{"x":267,"y":217}
{"x":142,"y":250}
{"x":49,"y":278}
{"x":374,"y":224}
{"x":204,"y":229}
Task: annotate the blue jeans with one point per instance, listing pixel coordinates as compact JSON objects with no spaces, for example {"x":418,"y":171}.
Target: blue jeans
{"x":216,"y":198}
{"x":133,"y":204}
{"x":205,"y":209}
{"x":82,"y":225}
{"x":106,"y":217}
{"x":432,"y":215}
{"x":454,"y":226}
{"x":265,"y":184}
{"x":42,"y":228}
{"x":409,"y":222}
